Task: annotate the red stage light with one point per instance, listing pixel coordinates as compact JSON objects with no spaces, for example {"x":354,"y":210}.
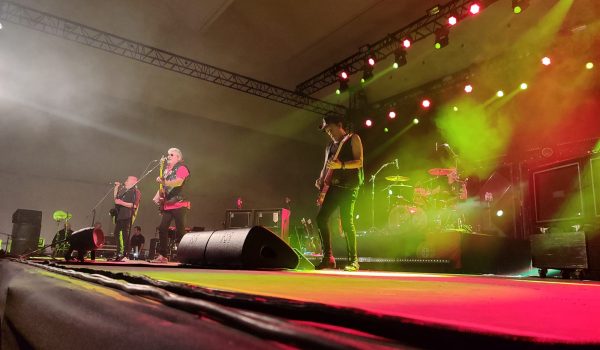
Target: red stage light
{"x":392,"y":114}
{"x":468,"y":88}
{"x":452,"y":20}
{"x":368,"y":123}
{"x":343,"y":75}
{"x":546,"y":61}
{"x":474,"y":9}
{"x":406,"y":43}
{"x":426,"y":103}
{"x":371,"y":61}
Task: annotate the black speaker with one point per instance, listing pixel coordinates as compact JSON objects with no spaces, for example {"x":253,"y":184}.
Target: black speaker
{"x":25,"y":237}
{"x":33,"y":217}
{"x":246,"y":248}
{"x":154,"y":242}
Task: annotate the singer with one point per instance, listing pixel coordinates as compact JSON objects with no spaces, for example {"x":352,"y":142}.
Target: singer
{"x":127,"y":199}
{"x":347,"y":176}
{"x":175,"y":205}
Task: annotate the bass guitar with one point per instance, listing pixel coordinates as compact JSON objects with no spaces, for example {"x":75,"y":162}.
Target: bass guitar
{"x":161,"y":188}
{"x":326,"y":179}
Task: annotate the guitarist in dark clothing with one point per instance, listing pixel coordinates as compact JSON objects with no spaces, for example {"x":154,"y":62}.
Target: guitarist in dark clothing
{"x":127,"y":198}
{"x":346,"y":175}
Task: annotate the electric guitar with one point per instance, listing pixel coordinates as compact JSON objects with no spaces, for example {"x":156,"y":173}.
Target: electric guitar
{"x":161,"y":188}
{"x":326,"y":179}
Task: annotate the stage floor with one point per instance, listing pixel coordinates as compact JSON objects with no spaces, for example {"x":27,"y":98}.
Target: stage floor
{"x":548,"y":309}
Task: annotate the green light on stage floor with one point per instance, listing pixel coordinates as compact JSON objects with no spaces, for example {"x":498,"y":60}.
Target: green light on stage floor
{"x":523,"y":86}
{"x":500,"y":93}
{"x":517,"y":9}
{"x":455,"y":109}
{"x":386,"y":130}
{"x":415,"y":121}
{"x":438,"y":45}
{"x":395,"y":65}
{"x":589,"y":65}
{"x":337,"y":91}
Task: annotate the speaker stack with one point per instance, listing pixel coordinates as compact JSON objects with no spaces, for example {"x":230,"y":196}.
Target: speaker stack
{"x":26,"y":231}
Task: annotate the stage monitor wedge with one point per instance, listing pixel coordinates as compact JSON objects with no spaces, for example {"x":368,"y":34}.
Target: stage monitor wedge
{"x":246,"y":248}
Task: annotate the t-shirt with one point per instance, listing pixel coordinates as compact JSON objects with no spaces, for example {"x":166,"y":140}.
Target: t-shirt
{"x":131,"y":196}
{"x":137,"y":240}
{"x":182,"y":173}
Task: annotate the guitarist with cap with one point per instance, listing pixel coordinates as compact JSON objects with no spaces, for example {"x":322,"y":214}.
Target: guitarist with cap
{"x":338,"y":184}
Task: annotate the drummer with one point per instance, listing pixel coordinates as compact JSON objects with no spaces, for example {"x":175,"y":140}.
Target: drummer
{"x":61,"y":236}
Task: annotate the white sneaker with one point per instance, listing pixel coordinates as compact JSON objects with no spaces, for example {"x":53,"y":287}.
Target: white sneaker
{"x":160,"y":260}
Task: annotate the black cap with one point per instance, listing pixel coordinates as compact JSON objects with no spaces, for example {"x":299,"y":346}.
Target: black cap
{"x":331,"y":119}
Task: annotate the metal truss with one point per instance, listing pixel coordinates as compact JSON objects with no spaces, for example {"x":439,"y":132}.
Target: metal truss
{"x":69,"y":30}
{"x":417,"y":30}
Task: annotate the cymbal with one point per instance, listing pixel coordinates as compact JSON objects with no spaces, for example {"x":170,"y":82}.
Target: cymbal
{"x":60,"y":215}
{"x":397,"y":178}
{"x":441,"y":171}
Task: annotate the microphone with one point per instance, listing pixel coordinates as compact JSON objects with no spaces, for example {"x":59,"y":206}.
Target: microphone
{"x":396,"y":162}
{"x":114,"y":183}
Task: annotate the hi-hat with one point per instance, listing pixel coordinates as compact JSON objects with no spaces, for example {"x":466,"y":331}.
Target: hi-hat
{"x":441,"y":171}
{"x":397,"y":178}
{"x":61,"y":215}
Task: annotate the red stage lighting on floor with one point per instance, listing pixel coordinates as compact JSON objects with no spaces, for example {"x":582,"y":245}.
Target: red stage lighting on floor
{"x":468,"y":88}
{"x":368,"y":123}
{"x":406,"y":43}
{"x":474,"y":9}
{"x":546,"y":61}
{"x":452,"y":20}
{"x":392,"y":114}
{"x":425,"y":103}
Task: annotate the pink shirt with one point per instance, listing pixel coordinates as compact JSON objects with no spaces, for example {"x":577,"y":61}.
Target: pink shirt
{"x":182,"y":174}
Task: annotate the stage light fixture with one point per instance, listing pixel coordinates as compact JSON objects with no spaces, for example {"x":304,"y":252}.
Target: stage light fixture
{"x":406,"y":42}
{"x":425,"y":103}
{"x":500,"y":93}
{"x":589,"y":65}
{"x":519,"y":6}
{"x":368,"y":123}
{"x":386,"y":130}
{"x":343,"y":78}
{"x":368,"y":68}
{"x":546,"y":61}
{"x":415,"y":121}
{"x":468,"y":88}
{"x":523,"y":86}
{"x":455,"y":109}
{"x":500,"y":213}
{"x":399,"y":57}
{"x":392,"y":114}
{"x":441,"y":37}
{"x":474,"y":9}
{"x":452,"y":20}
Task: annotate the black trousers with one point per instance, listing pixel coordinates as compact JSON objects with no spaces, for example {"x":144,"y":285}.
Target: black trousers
{"x":344,"y":199}
{"x":178,"y":215}
{"x":122,"y":230}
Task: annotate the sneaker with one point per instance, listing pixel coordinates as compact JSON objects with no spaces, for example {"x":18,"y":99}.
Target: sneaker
{"x":326,"y":263}
{"x":124,"y":259}
{"x":352,"y":267}
{"x":160,"y":260}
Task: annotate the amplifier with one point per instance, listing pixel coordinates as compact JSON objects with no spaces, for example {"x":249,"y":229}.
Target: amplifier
{"x":276,"y":220}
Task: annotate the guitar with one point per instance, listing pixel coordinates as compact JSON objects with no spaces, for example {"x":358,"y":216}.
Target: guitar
{"x":326,"y":179}
{"x":161,"y":188}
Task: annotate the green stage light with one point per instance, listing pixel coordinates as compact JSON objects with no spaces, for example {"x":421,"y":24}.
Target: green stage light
{"x":523,"y":86}
{"x":455,"y":109}
{"x":386,"y":130}
{"x":395,"y":65}
{"x":500,"y":93}
{"x":438,"y":45}
{"x":337,"y":91}
{"x":415,"y":121}
{"x":589,"y":65}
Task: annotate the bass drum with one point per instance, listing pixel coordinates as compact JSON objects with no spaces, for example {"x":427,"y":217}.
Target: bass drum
{"x":405,"y":218}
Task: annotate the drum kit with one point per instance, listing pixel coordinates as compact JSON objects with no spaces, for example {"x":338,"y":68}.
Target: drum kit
{"x":430,"y":204}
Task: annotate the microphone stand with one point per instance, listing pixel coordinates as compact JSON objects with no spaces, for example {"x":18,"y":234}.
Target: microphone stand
{"x":372,"y":180}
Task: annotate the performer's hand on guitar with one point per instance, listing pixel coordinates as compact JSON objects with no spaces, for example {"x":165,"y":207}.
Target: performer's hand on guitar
{"x":160,"y":180}
{"x":334,"y":164}
{"x":156,"y":199}
{"x":319,"y":184}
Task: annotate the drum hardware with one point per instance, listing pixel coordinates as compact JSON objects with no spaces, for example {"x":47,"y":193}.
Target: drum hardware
{"x":397,"y":178}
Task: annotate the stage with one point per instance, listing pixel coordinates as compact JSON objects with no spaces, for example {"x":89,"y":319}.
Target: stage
{"x":42,"y":304}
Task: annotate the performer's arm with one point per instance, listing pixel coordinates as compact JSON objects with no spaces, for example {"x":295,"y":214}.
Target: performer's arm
{"x":319,"y":182}
{"x":357,"y":152}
